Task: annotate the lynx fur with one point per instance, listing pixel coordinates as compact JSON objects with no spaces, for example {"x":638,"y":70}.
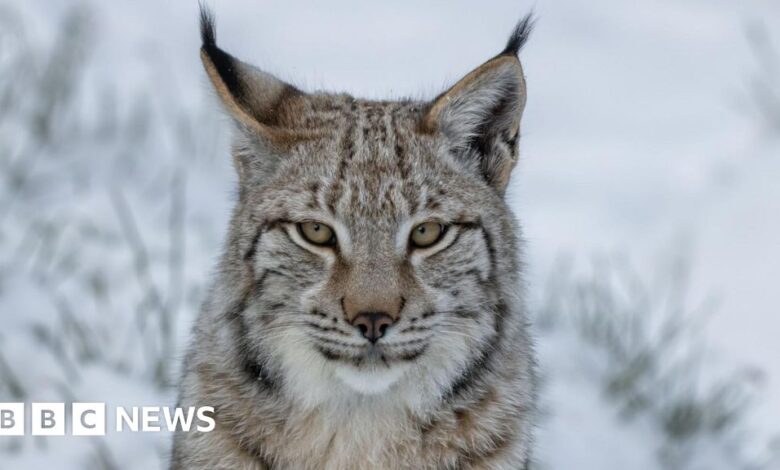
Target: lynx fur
{"x":445,"y":379}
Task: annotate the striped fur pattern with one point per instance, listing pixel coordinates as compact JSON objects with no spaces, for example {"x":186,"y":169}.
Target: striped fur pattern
{"x":294,"y":384}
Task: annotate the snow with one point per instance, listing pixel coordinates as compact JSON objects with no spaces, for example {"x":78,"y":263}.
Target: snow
{"x":641,"y":138}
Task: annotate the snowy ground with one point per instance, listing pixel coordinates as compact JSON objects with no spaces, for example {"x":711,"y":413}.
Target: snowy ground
{"x":647,"y":137}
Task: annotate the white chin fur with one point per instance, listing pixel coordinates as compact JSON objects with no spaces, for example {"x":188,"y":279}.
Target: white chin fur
{"x":370,"y":382}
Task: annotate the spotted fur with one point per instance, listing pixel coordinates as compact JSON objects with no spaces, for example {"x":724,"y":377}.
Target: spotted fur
{"x":295,"y":385}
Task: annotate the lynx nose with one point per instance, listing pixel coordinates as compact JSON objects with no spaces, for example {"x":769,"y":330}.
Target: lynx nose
{"x":372,"y":325}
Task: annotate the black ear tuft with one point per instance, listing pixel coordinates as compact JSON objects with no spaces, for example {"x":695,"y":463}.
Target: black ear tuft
{"x":520,"y":35}
{"x":207,"y":34}
{"x":223,"y":63}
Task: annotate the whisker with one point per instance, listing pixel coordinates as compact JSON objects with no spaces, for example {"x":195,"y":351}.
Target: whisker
{"x":333,"y":341}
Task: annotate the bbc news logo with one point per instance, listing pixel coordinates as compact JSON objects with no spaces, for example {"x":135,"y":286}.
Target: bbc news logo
{"x":89,"y":419}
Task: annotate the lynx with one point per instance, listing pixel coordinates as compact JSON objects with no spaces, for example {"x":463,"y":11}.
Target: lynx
{"x":367,"y":312}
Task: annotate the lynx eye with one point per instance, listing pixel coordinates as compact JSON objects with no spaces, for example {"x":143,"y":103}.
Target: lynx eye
{"x":317,"y":233}
{"x":427,"y":234}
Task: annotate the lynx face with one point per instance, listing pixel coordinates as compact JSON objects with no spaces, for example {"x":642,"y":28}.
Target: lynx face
{"x":373,"y":236}
{"x":376,"y":256}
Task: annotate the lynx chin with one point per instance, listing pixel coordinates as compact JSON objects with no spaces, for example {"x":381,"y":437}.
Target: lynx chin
{"x":367,"y":312}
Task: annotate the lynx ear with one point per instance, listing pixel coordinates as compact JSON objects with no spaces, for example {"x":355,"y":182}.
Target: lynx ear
{"x":253,"y":97}
{"x":480,"y":115}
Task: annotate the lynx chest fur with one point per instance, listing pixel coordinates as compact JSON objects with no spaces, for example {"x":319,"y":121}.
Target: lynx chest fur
{"x":367,"y":310}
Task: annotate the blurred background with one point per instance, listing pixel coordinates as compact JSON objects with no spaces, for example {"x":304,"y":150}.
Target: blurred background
{"x":647,"y":188}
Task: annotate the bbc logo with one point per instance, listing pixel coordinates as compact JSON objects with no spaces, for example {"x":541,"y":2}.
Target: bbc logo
{"x":48,"y":419}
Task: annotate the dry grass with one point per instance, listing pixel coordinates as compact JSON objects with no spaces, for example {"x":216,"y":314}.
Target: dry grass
{"x":653,"y":364}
